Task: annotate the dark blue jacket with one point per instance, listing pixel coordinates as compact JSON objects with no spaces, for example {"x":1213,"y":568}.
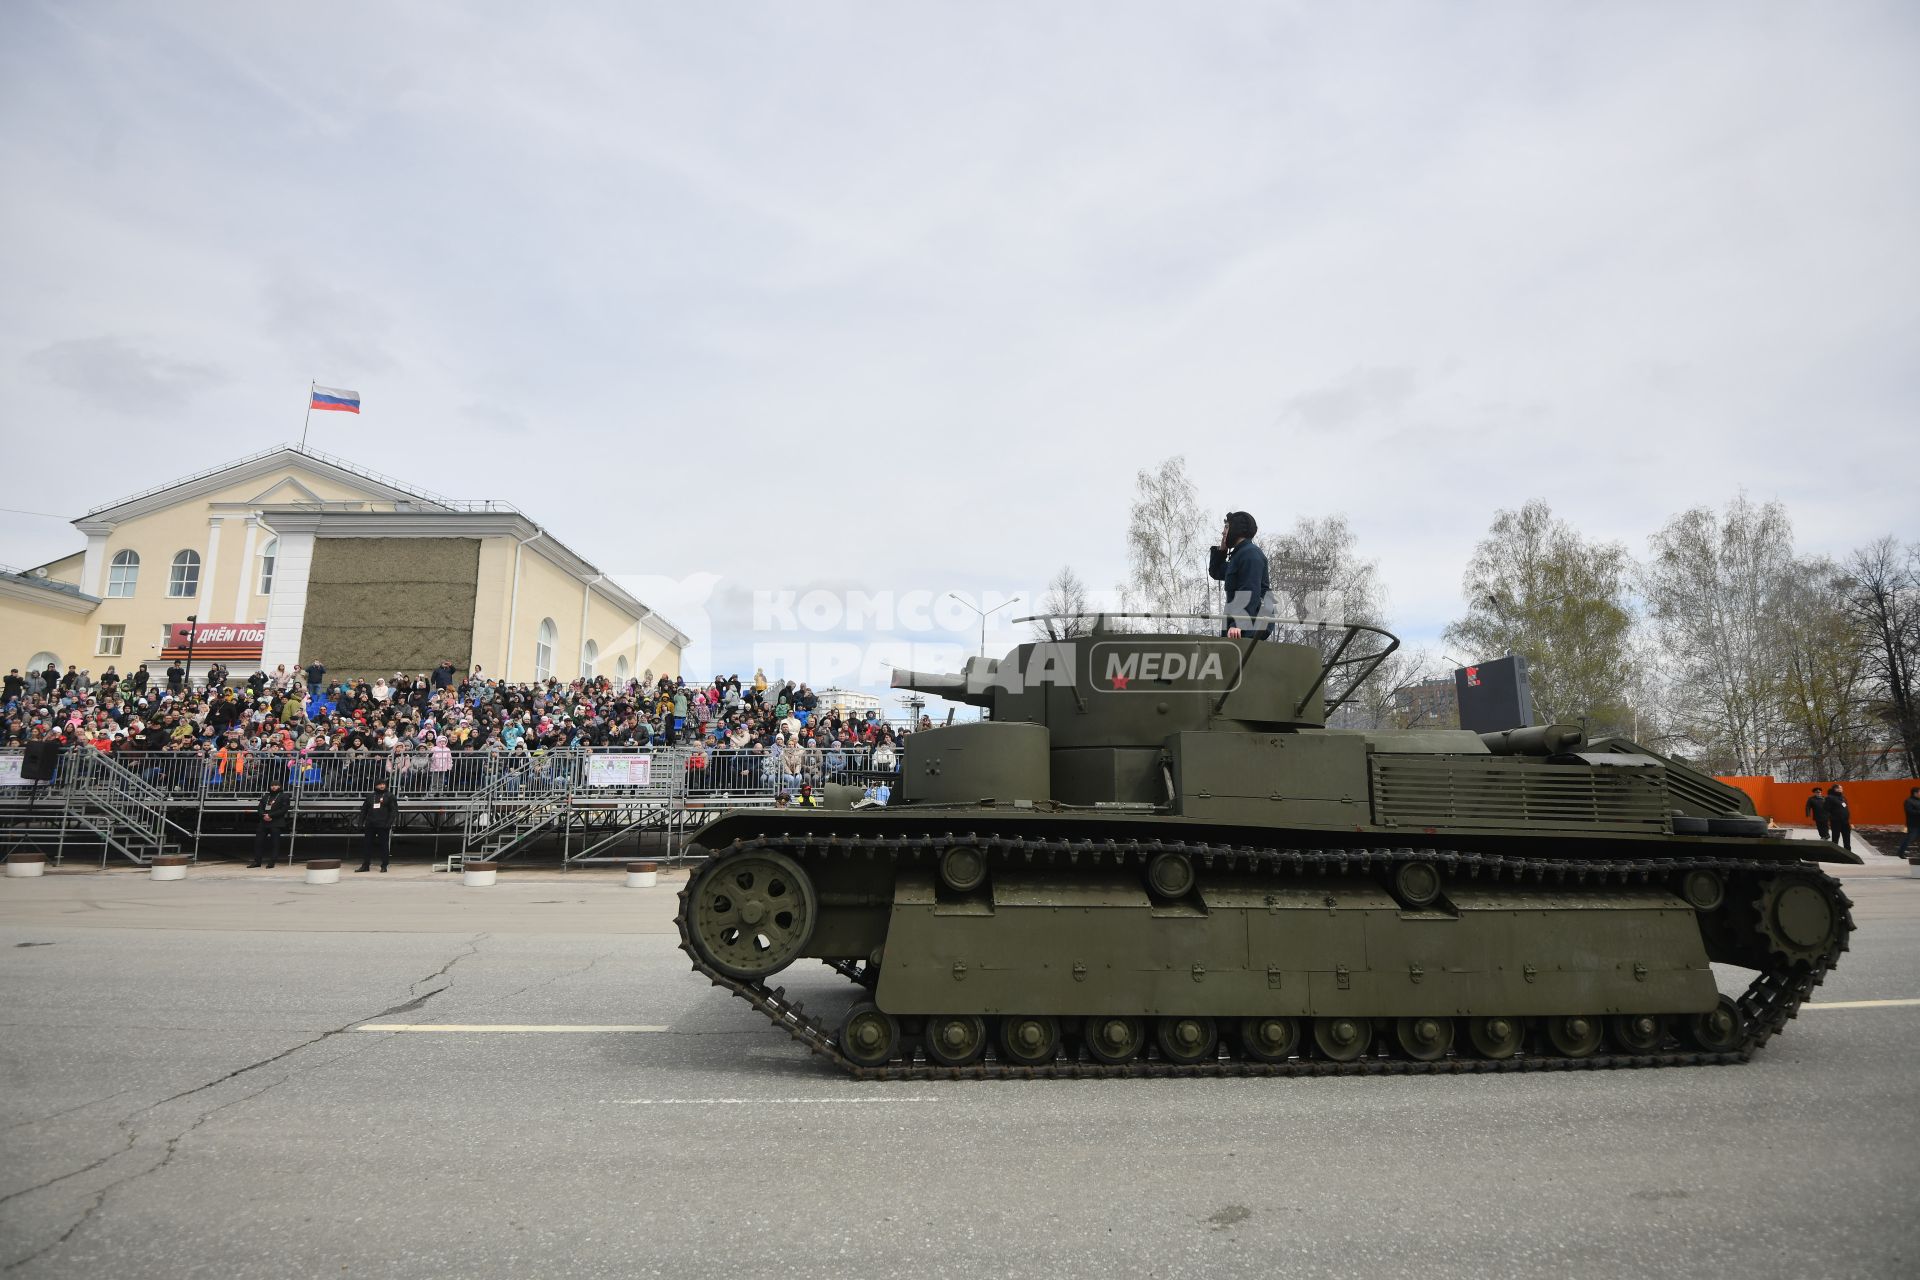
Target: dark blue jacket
{"x":1243,"y":571}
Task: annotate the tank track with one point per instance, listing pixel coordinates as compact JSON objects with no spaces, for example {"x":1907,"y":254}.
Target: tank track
{"x":1768,"y":1004}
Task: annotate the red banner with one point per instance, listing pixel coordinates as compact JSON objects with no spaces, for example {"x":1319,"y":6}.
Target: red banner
{"x":226,"y":639}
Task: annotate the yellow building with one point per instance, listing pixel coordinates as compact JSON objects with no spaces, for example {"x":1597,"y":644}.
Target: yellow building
{"x":292,"y":555}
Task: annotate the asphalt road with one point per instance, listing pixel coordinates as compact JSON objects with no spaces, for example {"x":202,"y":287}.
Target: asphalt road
{"x":187,"y":1094}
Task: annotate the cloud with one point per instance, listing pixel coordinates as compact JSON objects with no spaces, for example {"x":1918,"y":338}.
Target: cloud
{"x":119,"y":376}
{"x":906,"y":296}
{"x":496,"y":418}
{"x":1360,"y":395}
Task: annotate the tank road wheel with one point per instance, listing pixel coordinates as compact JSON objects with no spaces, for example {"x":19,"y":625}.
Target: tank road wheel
{"x":1185,"y":1041}
{"x":1269,"y":1039}
{"x":1341,"y":1039}
{"x":956,"y":1039}
{"x":1170,"y":875}
{"x":752,"y":914}
{"x":1112,"y":1039}
{"x":1494,"y":1038}
{"x":1574,"y":1035}
{"x":1030,"y":1041}
{"x":1424,"y":1039}
{"x":1718,"y":1030}
{"x":1638,"y":1032}
{"x":1704,"y":890}
{"x":1416,"y":884}
{"x":963,"y":868}
{"x":868,"y":1037}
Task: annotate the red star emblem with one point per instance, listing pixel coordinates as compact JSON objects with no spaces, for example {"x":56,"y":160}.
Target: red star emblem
{"x":1119,"y":681}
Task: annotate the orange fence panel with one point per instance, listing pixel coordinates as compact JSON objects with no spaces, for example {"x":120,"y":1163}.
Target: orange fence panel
{"x":1877,"y":802}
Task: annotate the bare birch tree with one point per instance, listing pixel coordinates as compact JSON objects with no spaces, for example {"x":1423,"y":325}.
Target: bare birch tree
{"x":1827,"y":731}
{"x":1883,"y":606}
{"x":1714,"y":590}
{"x":1068,"y":609}
{"x":1167,"y":541}
{"x":1319,"y":576}
{"x":1535,"y":587}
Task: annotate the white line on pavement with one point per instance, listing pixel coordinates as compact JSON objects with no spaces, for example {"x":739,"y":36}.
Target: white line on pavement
{"x":1859,"y":1004}
{"x":778,"y":1102}
{"x":500,"y":1026}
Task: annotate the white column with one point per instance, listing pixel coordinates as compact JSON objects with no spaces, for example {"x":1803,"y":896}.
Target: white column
{"x":93,"y":567}
{"x":287,"y":606}
{"x":244,"y":597}
{"x":586,"y":600}
{"x":206,"y":569}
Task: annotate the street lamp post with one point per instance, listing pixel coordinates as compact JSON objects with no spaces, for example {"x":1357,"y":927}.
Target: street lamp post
{"x":984,"y":615}
{"x":193,"y":627}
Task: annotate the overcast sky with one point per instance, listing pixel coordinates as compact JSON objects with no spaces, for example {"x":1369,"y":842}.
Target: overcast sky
{"x":903,"y":295}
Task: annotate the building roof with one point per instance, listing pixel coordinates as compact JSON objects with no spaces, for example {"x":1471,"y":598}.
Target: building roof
{"x":34,"y":584}
{"x":269,"y":460}
{"x":410,"y":504}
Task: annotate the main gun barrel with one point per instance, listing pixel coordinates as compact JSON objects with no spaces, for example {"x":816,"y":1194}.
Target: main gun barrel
{"x":952,"y":685}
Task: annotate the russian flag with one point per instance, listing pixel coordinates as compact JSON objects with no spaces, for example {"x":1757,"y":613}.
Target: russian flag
{"x":334,"y":398}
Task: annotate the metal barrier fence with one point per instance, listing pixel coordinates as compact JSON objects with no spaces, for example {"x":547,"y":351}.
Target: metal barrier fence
{"x":669,"y":773}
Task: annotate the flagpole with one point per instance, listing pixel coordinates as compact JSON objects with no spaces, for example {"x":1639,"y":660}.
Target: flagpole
{"x":309,"y":418}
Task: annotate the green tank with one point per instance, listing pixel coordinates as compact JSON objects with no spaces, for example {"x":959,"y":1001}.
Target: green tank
{"x":1155,"y":858}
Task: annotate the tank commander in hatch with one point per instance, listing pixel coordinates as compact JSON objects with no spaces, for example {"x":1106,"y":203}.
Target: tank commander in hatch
{"x":1240,"y":566}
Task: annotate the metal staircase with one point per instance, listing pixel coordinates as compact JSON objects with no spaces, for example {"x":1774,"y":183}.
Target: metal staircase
{"x":510,"y":811}
{"x":108,"y":801}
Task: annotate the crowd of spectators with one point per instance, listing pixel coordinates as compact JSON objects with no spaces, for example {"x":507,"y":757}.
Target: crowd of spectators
{"x":443,"y":728}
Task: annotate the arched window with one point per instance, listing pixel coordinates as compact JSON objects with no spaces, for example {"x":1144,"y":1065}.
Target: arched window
{"x":37,"y":666}
{"x":123,"y":574}
{"x":622,"y":669}
{"x":589,"y":654}
{"x":543,"y":649}
{"x":184,"y":581}
{"x":268,"y":554}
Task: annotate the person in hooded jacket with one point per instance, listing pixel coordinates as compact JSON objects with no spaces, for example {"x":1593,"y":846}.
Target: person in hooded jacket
{"x":378,"y":814}
{"x":1839,"y":818}
{"x":1817,"y":810}
{"x":270,"y":823}
{"x":1240,"y":566}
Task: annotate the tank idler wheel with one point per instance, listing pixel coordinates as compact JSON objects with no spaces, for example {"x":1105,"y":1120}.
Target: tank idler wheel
{"x":956,"y":1039}
{"x":1796,"y":918}
{"x":1704,"y":890}
{"x":1341,"y":1039}
{"x":753,"y":913}
{"x":1638,"y":1032}
{"x":1574,"y":1035}
{"x":1416,"y":884}
{"x":1113,"y":1039}
{"x":963,"y":868}
{"x":1185,"y":1041}
{"x":1269,"y":1039}
{"x":1718,"y":1030}
{"x":1170,"y":875}
{"x":1424,"y":1039}
{"x":1494,"y":1038}
{"x":1030,"y":1040}
{"x":869,"y":1037}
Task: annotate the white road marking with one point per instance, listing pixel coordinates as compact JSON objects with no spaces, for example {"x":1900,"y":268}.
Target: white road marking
{"x":570,"y":1028}
{"x":1859,"y":1004}
{"x":760,"y":1102}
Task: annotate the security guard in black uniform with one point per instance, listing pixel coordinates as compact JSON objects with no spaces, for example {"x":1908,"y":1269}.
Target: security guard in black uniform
{"x":270,"y":823}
